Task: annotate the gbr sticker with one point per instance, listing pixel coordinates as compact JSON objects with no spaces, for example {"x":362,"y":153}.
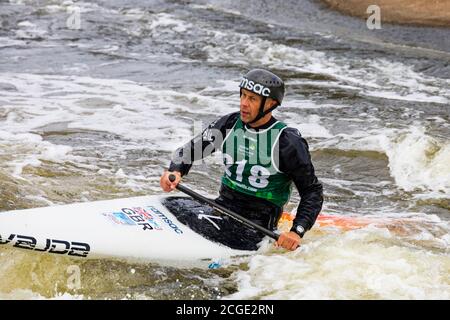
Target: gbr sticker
{"x":135,"y":216}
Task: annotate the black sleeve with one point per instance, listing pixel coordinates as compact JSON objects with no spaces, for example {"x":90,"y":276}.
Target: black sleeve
{"x":202,"y":145}
{"x":295,"y":161}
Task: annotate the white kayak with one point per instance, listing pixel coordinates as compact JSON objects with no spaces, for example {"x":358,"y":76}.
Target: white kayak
{"x":136,"y":229}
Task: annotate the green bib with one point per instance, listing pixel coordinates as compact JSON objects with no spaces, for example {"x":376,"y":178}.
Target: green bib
{"x":250,"y":167}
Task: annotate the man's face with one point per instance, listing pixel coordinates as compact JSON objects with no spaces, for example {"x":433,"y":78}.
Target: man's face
{"x":250,"y":103}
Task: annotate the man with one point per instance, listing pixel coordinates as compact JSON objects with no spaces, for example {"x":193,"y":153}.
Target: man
{"x":262,"y":158}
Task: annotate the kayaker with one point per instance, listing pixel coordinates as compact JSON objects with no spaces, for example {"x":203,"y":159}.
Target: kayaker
{"x":263,"y":157}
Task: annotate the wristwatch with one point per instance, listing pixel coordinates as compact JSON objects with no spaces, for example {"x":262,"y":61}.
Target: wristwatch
{"x":298,"y":229}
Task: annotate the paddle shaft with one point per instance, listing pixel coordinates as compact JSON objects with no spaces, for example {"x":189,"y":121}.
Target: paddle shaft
{"x":222,"y":209}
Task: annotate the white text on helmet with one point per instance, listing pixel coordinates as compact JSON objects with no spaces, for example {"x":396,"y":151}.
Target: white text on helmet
{"x":255,"y":87}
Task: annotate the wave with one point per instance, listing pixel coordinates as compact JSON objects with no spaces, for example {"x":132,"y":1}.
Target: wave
{"x":416,"y":160}
{"x":419,"y":161}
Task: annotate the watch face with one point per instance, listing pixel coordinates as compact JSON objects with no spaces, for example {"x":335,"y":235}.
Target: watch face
{"x":300,"y":229}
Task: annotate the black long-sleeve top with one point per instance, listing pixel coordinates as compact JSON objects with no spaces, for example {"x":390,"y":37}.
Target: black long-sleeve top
{"x":295,"y":161}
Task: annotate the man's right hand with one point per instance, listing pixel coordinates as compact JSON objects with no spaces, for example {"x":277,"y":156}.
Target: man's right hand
{"x":168,"y":185}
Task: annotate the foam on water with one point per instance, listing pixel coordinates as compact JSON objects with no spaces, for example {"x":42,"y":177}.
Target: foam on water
{"x":417,"y":161}
{"x":309,"y":127}
{"x":41,"y":100}
{"x":215,"y":8}
{"x":163,"y":22}
{"x":29,"y":30}
{"x":21,"y":294}
{"x":26,"y":294}
{"x":380,"y":77}
{"x":29,"y":149}
{"x":8,"y":42}
{"x":140,"y":115}
{"x":368,"y":263}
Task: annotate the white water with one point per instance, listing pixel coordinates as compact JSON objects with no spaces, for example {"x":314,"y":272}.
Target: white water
{"x":369,"y":263}
{"x":417,"y":161}
{"x":377,"y":78}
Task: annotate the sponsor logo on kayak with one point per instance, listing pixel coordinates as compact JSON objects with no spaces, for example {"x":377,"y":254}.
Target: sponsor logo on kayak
{"x":70,"y":248}
{"x":166,"y":220}
{"x":134,"y":216}
{"x":255,"y":87}
{"x":119,"y":218}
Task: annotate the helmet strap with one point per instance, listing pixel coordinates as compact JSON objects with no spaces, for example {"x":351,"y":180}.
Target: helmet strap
{"x":261,"y":112}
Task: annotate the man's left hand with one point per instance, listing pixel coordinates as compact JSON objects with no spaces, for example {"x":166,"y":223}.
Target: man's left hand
{"x":289,"y":240}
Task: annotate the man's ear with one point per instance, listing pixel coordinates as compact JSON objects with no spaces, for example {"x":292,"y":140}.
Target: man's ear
{"x":270,"y":103}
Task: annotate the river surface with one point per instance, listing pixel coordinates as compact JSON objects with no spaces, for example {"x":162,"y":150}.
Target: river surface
{"x":94,"y":110}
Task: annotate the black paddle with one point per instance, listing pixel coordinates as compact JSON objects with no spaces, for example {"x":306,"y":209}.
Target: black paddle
{"x":224,"y":210}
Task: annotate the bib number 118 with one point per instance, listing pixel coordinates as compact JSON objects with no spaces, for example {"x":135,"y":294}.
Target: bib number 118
{"x":258,"y":174}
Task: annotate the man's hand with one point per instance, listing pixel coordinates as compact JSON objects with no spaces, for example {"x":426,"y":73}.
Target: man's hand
{"x":166,"y":184}
{"x":289,"y":240}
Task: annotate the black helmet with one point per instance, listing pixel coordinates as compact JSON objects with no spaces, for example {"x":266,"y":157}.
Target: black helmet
{"x":264,"y":83}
